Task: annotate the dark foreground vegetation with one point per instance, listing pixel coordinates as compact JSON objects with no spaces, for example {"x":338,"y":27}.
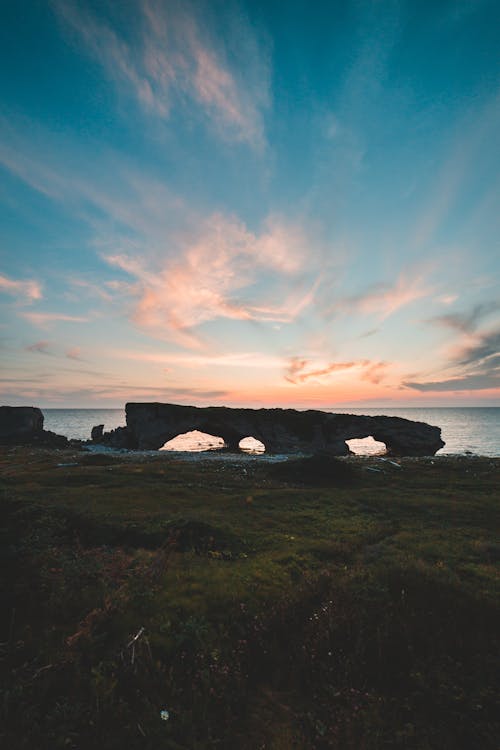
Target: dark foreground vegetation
{"x":322,"y":607}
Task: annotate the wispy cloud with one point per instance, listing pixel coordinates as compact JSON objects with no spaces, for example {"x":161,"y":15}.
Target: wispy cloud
{"x":42,"y":319}
{"x":469,"y":143}
{"x":473,"y":361}
{"x":301,"y":370}
{"x":40,"y":347}
{"x":83,"y":286}
{"x":447,"y":299}
{"x":74,"y":353}
{"x":385,"y":298}
{"x":298,"y":371}
{"x":63,"y":393}
{"x":474,"y":366}
{"x":184,"y":268}
{"x":26,"y":290}
{"x":211,"y":275}
{"x":47,"y":347}
{"x":244,"y":360}
{"x":375,"y":372}
{"x":466,"y":322}
{"x":97,"y":191}
{"x":367,"y":334}
{"x":483,"y":348}
{"x":174,"y":58}
{"x":465,"y":383}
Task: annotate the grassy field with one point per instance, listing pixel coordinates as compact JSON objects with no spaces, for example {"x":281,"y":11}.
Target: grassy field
{"x":263,"y":606}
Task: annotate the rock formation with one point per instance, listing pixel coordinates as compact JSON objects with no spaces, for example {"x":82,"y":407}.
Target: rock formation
{"x":97,"y":433}
{"x":150,"y":425}
{"x":23,"y":425}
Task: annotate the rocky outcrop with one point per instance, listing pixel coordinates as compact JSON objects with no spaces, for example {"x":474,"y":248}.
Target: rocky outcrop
{"x":23,"y":425}
{"x":97,"y":433}
{"x":150,"y":425}
{"x":121,"y":437}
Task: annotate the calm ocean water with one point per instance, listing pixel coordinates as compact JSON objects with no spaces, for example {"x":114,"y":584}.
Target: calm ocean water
{"x":474,"y":429}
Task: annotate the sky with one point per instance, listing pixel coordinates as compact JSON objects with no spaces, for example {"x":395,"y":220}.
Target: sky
{"x":250,"y":204}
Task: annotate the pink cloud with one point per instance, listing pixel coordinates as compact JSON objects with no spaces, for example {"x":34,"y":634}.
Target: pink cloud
{"x":29,"y":290}
{"x":301,"y":370}
{"x":206,"y":278}
{"x":214,"y":87}
{"x":375,"y":372}
{"x":298,"y":372}
{"x":74,"y":353}
{"x":110,"y":50}
{"x":174,"y":58}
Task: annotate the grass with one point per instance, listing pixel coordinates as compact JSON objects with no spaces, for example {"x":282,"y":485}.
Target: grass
{"x":320,"y":607}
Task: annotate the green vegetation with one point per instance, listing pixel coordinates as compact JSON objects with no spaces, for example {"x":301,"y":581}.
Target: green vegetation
{"x":349,"y":609}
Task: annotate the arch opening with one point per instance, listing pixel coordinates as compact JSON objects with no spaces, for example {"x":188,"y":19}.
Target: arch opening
{"x":194,"y":441}
{"x":367,"y":446}
{"x":251,"y":445}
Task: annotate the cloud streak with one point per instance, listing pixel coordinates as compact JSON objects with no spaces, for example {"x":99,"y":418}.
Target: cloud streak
{"x":173,"y":59}
{"x":471,"y":140}
{"x":482,"y":350}
{"x":475,"y":366}
{"x":27,"y":290}
{"x":34,"y":389}
{"x":298,"y":373}
{"x":243,"y":360}
{"x":40,"y":347}
{"x":301,"y":370}
{"x":212,"y":274}
{"x":466,"y":322}
{"x":74,"y":353}
{"x":465,"y":383}
{"x":42,"y":319}
{"x":385,"y":298}
{"x":46,"y":347}
{"x":185,"y":269}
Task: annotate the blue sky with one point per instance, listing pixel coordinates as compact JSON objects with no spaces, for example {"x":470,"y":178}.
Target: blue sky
{"x":244,"y":204}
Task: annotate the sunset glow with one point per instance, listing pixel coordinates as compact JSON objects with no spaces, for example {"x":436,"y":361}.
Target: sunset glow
{"x":227,"y":203}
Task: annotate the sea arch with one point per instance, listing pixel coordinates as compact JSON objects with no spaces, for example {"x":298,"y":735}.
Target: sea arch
{"x":250,"y":444}
{"x":194,"y":441}
{"x":151,"y":425}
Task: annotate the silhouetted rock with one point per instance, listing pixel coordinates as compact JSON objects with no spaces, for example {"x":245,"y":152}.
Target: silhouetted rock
{"x":97,"y":432}
{"x":151,"y":425}
{"x":23,"y":425}
{"x":20,"y":421}
{"x":122,"y":437}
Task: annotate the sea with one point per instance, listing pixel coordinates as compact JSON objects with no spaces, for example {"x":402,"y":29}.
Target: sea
{"x":471,"y":430}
